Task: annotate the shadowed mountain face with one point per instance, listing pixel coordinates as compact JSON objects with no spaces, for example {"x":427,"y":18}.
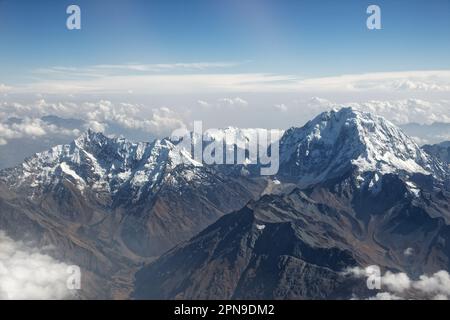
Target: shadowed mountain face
{"x":352,"y":190}
{"x":440,"y":151}
{"x":296,"y":245}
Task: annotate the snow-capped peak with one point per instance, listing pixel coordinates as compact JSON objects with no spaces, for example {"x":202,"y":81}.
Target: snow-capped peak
{"x":339,"y":140}
{"x":100,"y":163}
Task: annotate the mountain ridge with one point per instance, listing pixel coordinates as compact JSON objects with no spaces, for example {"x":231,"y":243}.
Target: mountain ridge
{"x":111,"y":205}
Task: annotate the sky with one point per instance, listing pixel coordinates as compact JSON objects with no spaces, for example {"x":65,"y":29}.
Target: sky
{"x":154,"y":65}
{"x":307,"y":38}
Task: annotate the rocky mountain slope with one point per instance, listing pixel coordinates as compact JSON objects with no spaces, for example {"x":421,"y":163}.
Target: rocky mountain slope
{"x":108,"y":204}
{"x":440,"y":151}
{"x":353,"y":191}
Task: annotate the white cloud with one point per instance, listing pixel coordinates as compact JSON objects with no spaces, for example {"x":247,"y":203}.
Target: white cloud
{"x":4,"y":88}
{"x":27,"y":274}
{"x":401,"y":286}
{"x":281,"y":107}
{"x":400,"y":111}
{"x":103,"y":70}
{"x":96,"y":126}
{"x":254,"y":111}
{"x":162,"y":84}
{"x":223,"y":103}
{"x":201,"y":77}
{"x":156,"y":79}
{"x":163,"y":122}
{"x":396,"y":282}
{"x":437,"y":80}
{"x":97,"y":115}
{"x":437,"y":284}
{"x":30,"y":128}
{"x":409,"y":110}
{"x":408,"y":252}
{"x":203,"y":103}
{"x":385,"y":296}
{"x":166,"y":66}
{"x":232,"y":102}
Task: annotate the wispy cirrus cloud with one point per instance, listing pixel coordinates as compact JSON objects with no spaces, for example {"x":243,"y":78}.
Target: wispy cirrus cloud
{"x":202,"y":77}
{"x":168,"y":66}
{"x":103,"y":70}
{"x":159,"y":84}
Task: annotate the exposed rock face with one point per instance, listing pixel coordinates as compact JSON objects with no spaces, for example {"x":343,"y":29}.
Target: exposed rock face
{"x":296,"y":245}
{"x":440,"y":151}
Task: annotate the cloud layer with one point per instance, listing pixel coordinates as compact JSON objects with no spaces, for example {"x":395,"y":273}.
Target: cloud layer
{"x":399,"y":286}
{"x":191,"y":78}
{"x":26,"y":274}
{"x":160,"y":116}
{"x":19,"y":120}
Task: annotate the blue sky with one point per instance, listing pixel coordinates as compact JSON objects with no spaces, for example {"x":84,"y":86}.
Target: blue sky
{"x":307,"y":38}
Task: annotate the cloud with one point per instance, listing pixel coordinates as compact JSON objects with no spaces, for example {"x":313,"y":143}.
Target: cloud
{"x":103,"y":70}
{"x":27,"y":274}
{"x":96,"y":126}
{"x":401,"y":286}
{"x":198,"y":78}
{"x":163,"y":122}
{"x":385,"y":296}
{"x":281,"y":107}
{"x":223,"y":103}
{"x":203,"y":104}
{"x":4,"y":88}
{"x":166,"y":66}
{"x":232,"y":102}
{"x":254,"y":110}
{"x":401,"y":111}
{"x":437,"y":284}
{"x":396,"y":282}
{"x":436,"y":81}
{"x":30,"y":128}
{"x":97,"y":115}
{"x":408,"y":111}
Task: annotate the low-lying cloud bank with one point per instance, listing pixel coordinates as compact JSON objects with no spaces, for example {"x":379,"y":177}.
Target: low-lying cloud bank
{"x":19,"y":120}
{"x":399,"y":286}
{"x":27,"y":274}
{"x":43,"y":119}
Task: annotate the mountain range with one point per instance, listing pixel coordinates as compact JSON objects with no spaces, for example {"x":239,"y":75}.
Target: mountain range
{"x":147,"y":221}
